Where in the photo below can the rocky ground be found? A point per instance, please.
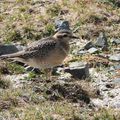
(87, 87)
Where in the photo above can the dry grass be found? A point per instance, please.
(28, 20)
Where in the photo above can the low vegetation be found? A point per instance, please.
(24, 21)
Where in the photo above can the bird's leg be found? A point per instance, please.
(48, 72)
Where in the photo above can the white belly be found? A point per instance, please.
(42, 64)
(49, 62)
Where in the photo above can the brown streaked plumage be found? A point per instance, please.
(45, 53)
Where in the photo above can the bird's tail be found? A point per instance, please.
(10, 56)
(2, 57)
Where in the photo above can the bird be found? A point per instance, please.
(45, 53)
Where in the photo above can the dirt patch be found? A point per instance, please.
(11, 102)
(3, 68)
(71, 92)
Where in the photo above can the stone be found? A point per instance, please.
(92, 50)
(111, 69)
(97, 102)
(81, 52)
(117, 67)
(116, 41)
(61, 24)
(115, 57)
(78, 70)
(102, 41)
(115, 104)
(8, 49)
(116, 80)
(88, 45)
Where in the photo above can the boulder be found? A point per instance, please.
(92, 50)
(115, 57)
(78, 70)
(8, 49)
(61, 24)
(102, 41)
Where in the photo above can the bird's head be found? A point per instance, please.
(65, 35)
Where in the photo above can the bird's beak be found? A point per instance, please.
(74, 37)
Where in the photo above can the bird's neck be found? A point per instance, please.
(64, 44)
(61, 41)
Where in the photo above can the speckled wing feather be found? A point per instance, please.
(39, 49)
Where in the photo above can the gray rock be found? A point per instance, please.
(92, 50)
(117, 67)
(81, 52)
(111, 69)
(98, 102)
(102, 41)
(78, 70)
(8, 49)
(116, 80)
(116, 41)
(88, 45)
(61, 24)
(115, 57)
(115, 104)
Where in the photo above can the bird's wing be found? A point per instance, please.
(39, 48)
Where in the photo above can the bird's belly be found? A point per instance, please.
(47, 62)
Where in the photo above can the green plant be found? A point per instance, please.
(15, 68)
(31, 75)
(105, 115)
(13, 35)
(49, 29)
